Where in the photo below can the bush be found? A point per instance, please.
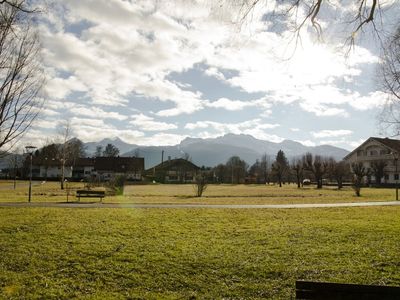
(116, 185)
(200, 185)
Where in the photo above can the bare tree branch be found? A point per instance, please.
(21, 75)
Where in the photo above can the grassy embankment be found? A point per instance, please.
(192, 253)
(215, 194)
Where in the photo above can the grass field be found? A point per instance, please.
(52, 253)
(215, 194)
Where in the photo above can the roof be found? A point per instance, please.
(113, 164)
(175, 163)
(119, 164)
(393, 144)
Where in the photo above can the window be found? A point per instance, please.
(396, 176)
(386, 177)
(373, 153)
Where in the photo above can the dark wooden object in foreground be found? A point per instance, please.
(340, 291)
(90, 194)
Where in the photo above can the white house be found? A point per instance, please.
(378, 150)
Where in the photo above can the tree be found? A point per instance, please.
(64, 131)
(297, 168)
(15, 163)
(338, 170)
(237, 168)
(316, 165)
(220, 172)
(255, 171)
(390, 76)
(111, 151)
(200, 184)
(99, 151)
(298, 14)
(264, 165)
(280, 167)
(21, 74)
(378, 170)
(359, 172)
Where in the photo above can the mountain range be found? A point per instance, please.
(213, 151)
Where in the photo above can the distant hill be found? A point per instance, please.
(210, 152)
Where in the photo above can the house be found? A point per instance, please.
(173, 171)
(108, 167)
(103, 168)
(375, 151)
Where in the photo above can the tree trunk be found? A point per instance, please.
(319, 183)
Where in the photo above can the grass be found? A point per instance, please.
(192, 253)
(184, 193)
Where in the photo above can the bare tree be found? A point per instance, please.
(297, 168)
(317, 165)
(65, 135)
(237, 168)
(264, 164)
(200, 184)
(378, 170)
(338, 170)
(390, 77)
(21, 75)
(298, 14)
(359, 172)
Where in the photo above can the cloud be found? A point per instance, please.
(230, 104)
(107, 58)
(149, 124)
(331, 133)
(214, 72)
(165, 139)
(254, 127)
(307, 143)
(80, 110)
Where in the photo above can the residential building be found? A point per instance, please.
(103, 168)
(173, 171)
(378, 150)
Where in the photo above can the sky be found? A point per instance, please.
(156, 72)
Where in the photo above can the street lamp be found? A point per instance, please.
(29, 150)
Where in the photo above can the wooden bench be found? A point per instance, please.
(90, 194)
(331, 291)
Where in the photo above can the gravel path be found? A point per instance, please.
(235, 206)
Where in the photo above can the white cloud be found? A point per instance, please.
(307, 143)
(165, 139)
(149, 124)
(81, 110)
(254, 127)
(331, 133)
(230, 104)
(128, 50)
(214, 72)
(373, 100)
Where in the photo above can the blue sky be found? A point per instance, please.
(155, 72)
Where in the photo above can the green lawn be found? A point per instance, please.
(192, 253)
(215, 194)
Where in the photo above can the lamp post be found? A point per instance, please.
(29, 150)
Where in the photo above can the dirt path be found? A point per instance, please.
(234, 206)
